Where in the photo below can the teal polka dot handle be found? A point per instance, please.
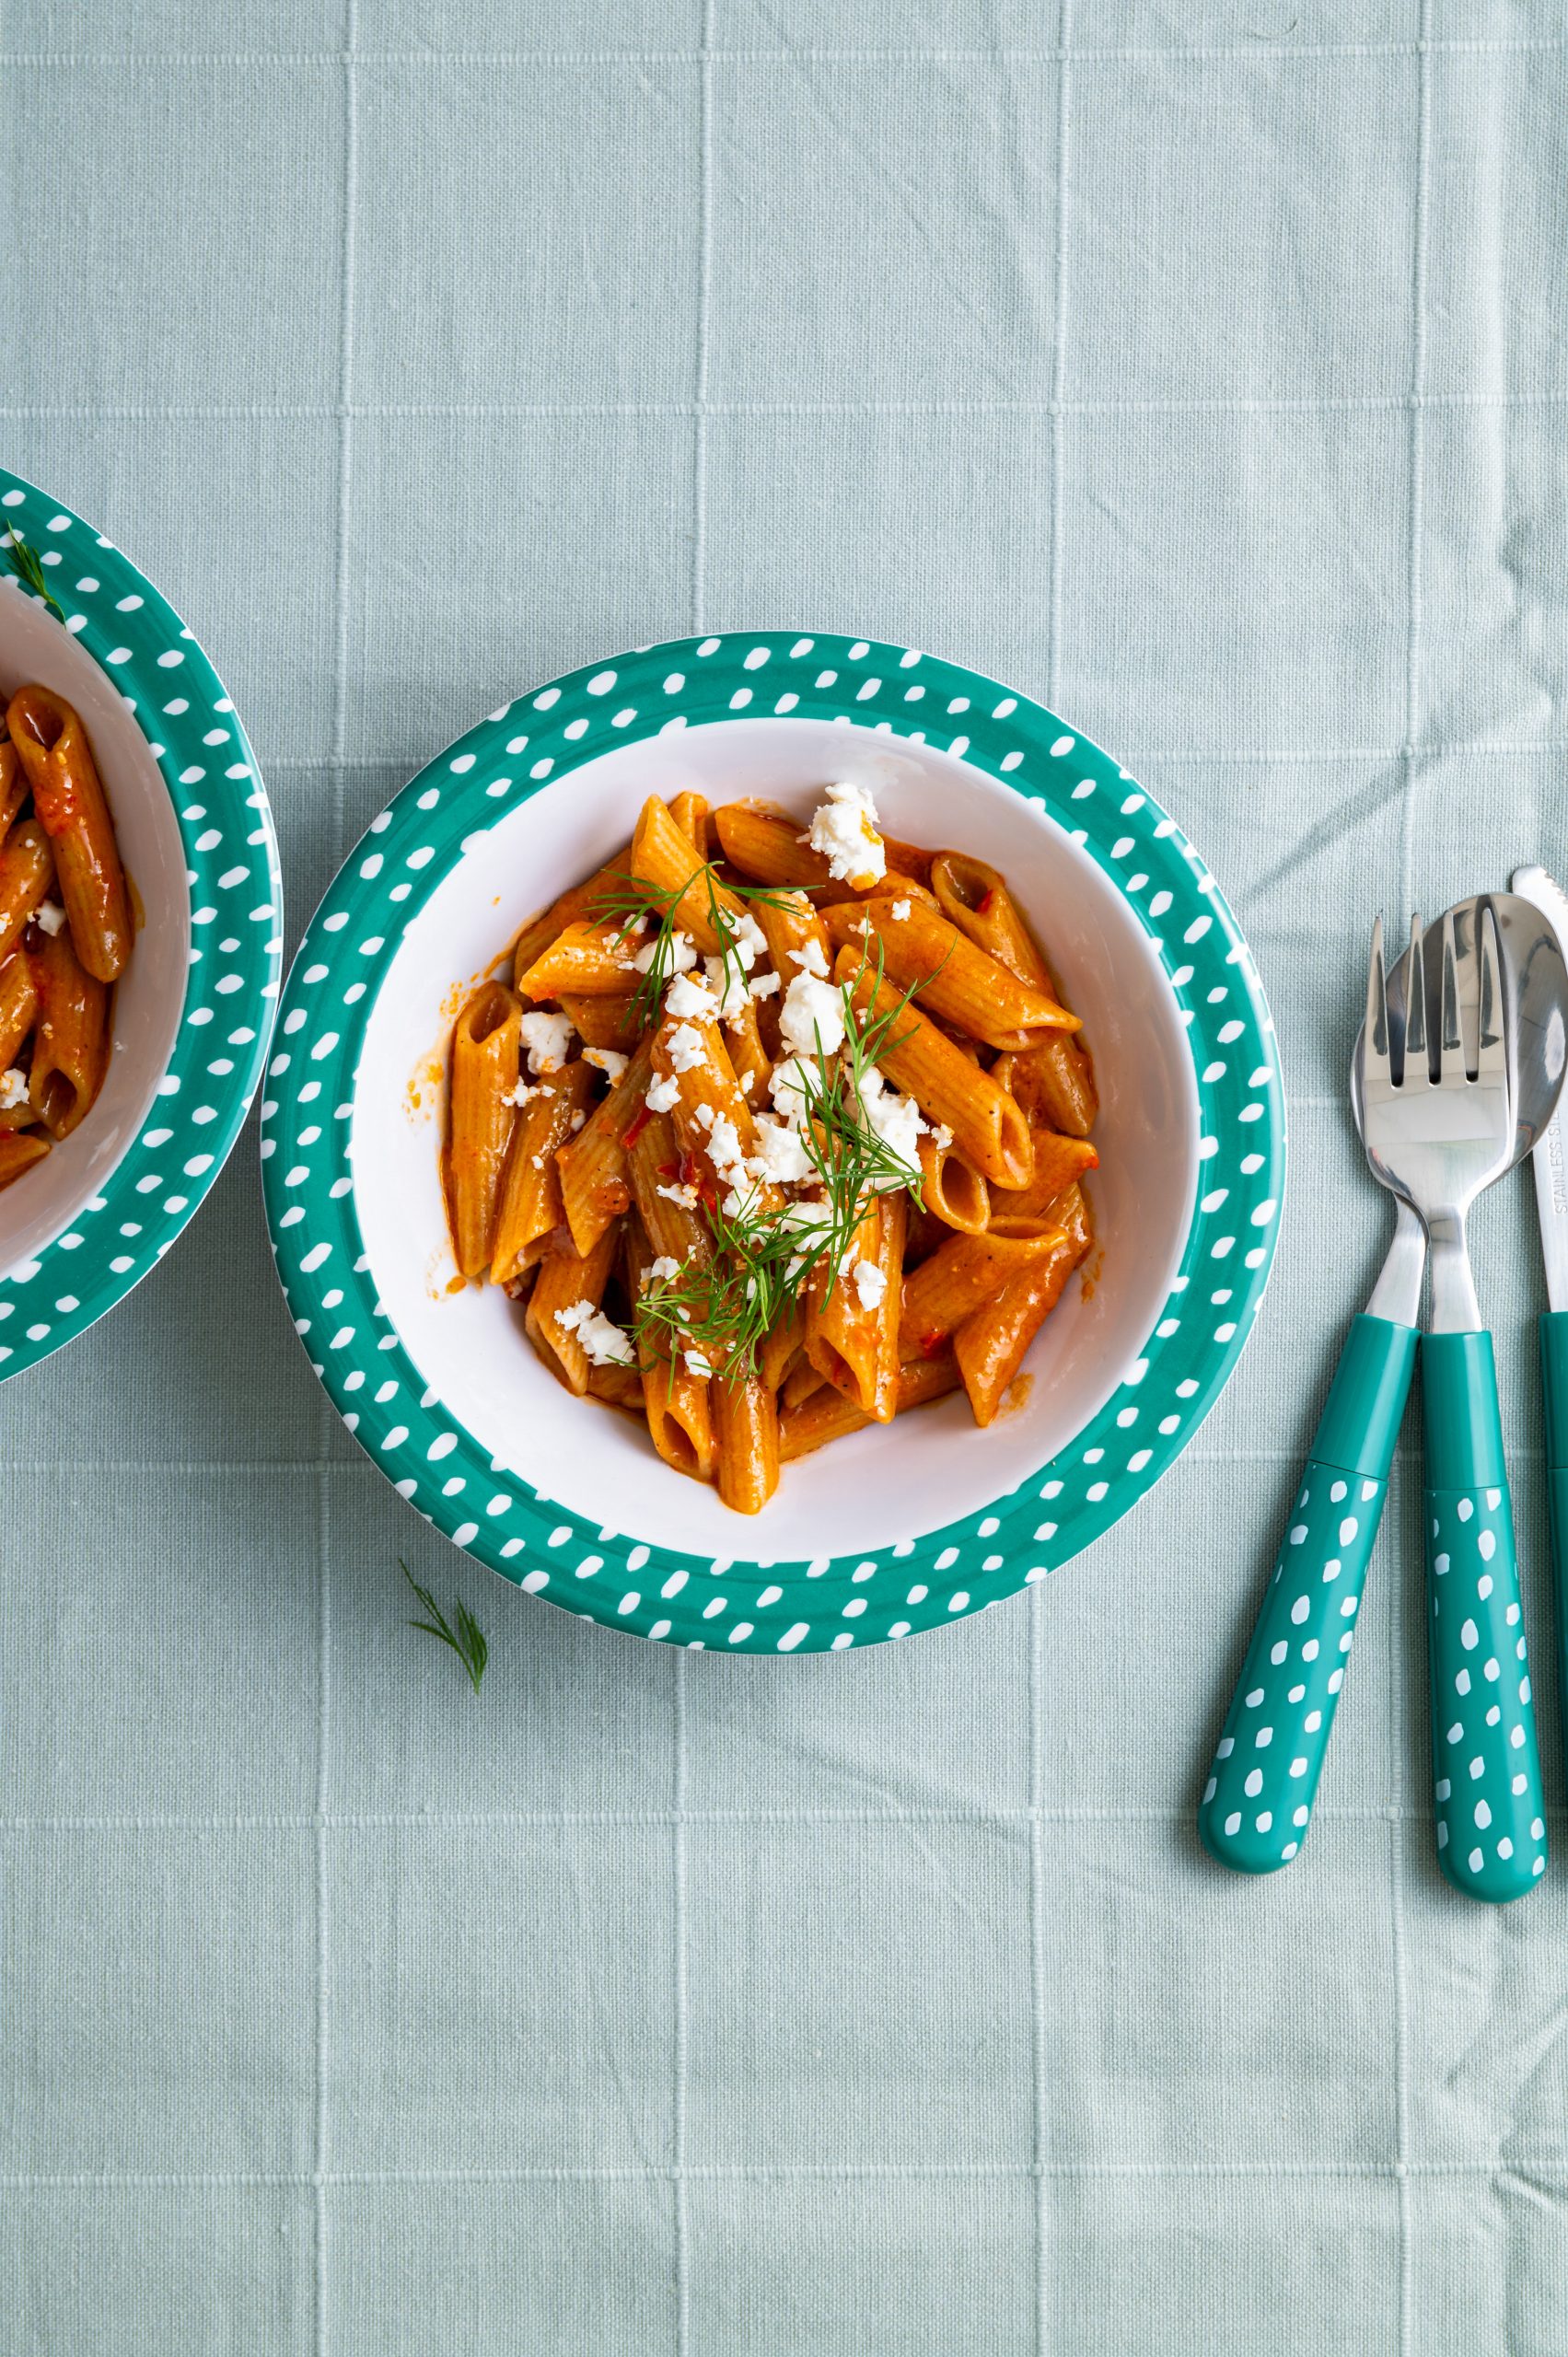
(1486, 1767)
(1258, 1800)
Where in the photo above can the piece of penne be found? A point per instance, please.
(530, 1206)
(955, 1279)
(19, 1149)
(954, 979)
(1053, 1082)
(68, 800)
(19, 1005)
(827, 1415)
(675, 1401)
(770, 847)
(13, 785)
(610, 1021)
(852, 1336)
(595, 1187)
(588, 960)
(689, 812)
(565, 1281)
(987, 1126)
(484, 1077)
(594, 899)
(1059, 1163)
(952, 1188)
(781, 1346)
(71, 1043)
(27, 871)
(618, 1387)
(667, 865)
(667, 1204)
(990, 1344)
(745, 1428)
(709, 1096)
(748, 1058)
(976, 898)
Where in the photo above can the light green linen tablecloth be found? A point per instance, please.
(1200, 370)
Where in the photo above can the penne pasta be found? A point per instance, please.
(770, 846)
(71, 1041)
(484, 1077)
(917, 946)
(27, 871)
(953, 1188)
(784, 1190)
(13, 784)
(828, 1415)
(594, 1184)
(746, 1428)
(68, 801)
(19, 1005)
(588, 960)
(530, 1207)
(990, 1344)
(19, 1149)
(955, 1094)
(585, 901)
(567, 1283)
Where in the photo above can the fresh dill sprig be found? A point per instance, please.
(467, 1639)
(28, 565)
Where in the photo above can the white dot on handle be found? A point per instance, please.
(1254, 1784)
(1298, 1610)
(1538, 1829)
(1483, 1815)
(1227, 1745)
(1483, 1585)
(1517, 1738)
(1233, 1822)
(1469, 1636)
(1466, 1508)
(1486, 1540)
(1255, 1697)
(1301, 1814)
(1298, 1767)
(1337, 1491)
(1265, 1821)
(1475, 1862)
(1519, 1783)
(1347, 1530)
(1475, 1767)
(1505, 1848)
(1277, 1653)
(1313, 1721)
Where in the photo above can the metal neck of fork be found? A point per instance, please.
(1454, 1309)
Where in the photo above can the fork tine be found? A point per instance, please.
(1415, 999)
(1449, 1042)
(1375, 1021)
(1491, 1056)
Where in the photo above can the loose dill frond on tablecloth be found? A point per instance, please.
(467, 1639)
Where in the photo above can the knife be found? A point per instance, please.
(1549, 1160)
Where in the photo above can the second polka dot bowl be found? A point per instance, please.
(899, 1528)
(192, 1011)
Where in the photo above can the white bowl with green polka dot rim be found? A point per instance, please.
(193, 1010)
(899, 1529)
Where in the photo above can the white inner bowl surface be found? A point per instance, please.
(150, 994)
(887, 1483)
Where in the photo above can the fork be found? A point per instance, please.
(1486, 1766)
(1258, 1800)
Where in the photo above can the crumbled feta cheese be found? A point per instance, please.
(844, 828)
(780, 1154)
(793, 1087)
(680, 958)
(811, 1020)
(897, 1120)
(684, 1048)
(688, 997)
(697, 1363)
(602, 1340)
(49, 916)
(942, 1136)
(545, 1038)
(764, 985)
(663, 1096)
(575, 1123)
(685, 1196)
(811, 959)
(608, 1061)
(13, 1089)
(901, 912)
(747, 941)
(728, 984)
(724, 1144)
(667, 1267)
(870, 1283)
(521, 1094)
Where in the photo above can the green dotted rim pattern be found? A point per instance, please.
(231, 858)
(745, 1603)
